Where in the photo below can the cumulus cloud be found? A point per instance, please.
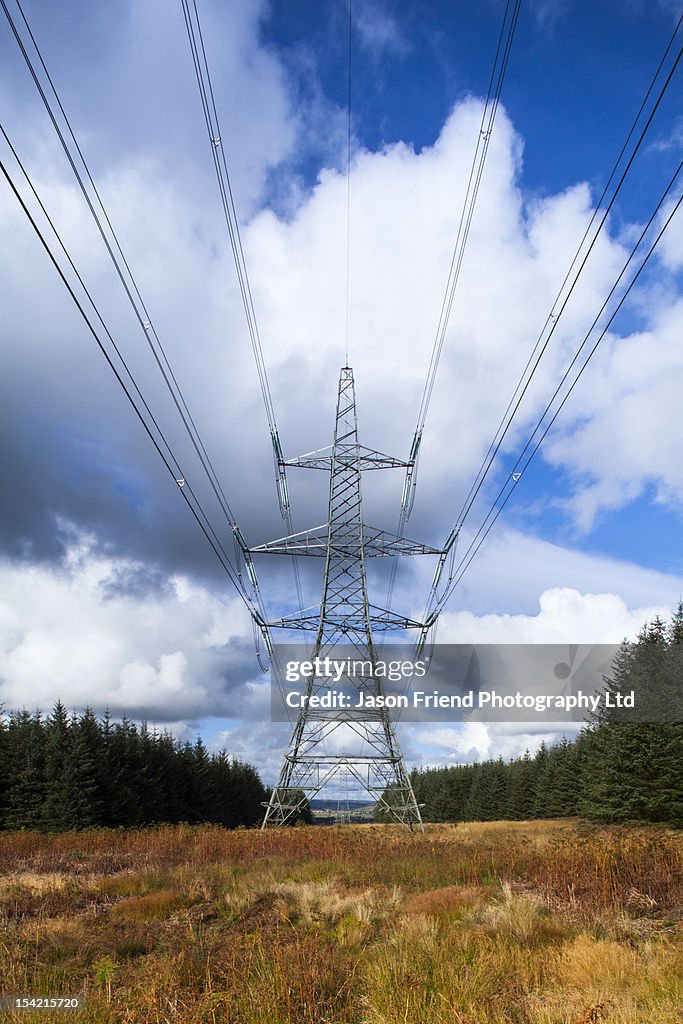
(177, 653)
(565, 616)
(474, 741)
(514, 568)
(622, 436)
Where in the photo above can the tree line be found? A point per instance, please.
(62, 772)
(617, 770)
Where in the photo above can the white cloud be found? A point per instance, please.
(513, 569)
(618, 429)
(671, 245)
(474, 741)
(625, 430)
(565, 616)
(77, 634)
(616, 433)
(547, 13)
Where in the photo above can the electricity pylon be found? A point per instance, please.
(347, 617)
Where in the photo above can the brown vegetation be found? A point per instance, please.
(500, 923)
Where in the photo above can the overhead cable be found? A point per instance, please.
(146, 417)
(502, 57)
(518, 470)
(131, 288)
(210, 111)
(571, 278)
(247, 582)
(491, 103)
(573, 273)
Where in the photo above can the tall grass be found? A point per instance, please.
(499, 923)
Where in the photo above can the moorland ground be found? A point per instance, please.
(552, 922)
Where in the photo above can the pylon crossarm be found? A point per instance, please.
(352, 454)
(374, 543)
(345, 625)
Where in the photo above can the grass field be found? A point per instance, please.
(524, 923)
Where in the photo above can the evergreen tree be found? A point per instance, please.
(127, 776)
(475, 805)
(56, 741)
(521, 788)
(24, 771)
(92, 738)
(633, 769)
(78, 786)
(175, 780)
(455, 788)
(541, 768)
(561, 782)
(440, 796)
(58, 774)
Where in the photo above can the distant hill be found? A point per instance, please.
(333, 805)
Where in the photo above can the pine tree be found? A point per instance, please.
(82, 807)
(560, 782)
(440, 795)
(59, 774)
(521, 788)
(475, 805)
(540, 801)
(457, 785)
(25, 771)
(202, 795)
(127, 775)
(633, 769)
(55, 806)
(174, 780)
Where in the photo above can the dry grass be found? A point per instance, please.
(500, 923)
(37, 884)
(522, 917)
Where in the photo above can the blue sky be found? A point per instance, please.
(578, 73)
(111, 597)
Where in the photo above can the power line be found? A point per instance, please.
(493, 94)
(209, 105)
(210, 111)
(129, 284)
(553, 317)
(348, 187)
(168, 458)
(519, 469)
(476, 171)
(254, 606)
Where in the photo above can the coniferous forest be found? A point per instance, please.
(615, 771)
(64, 772)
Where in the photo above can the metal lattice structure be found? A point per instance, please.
(345, 617)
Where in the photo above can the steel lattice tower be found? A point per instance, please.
(347, 617)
